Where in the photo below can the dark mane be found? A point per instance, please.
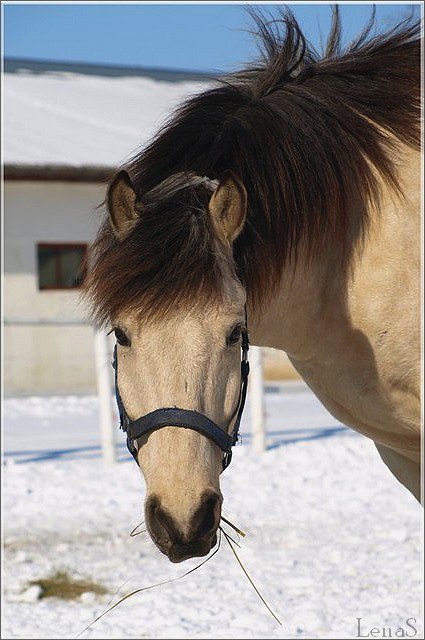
(303, 132)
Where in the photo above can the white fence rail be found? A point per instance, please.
(104, 380)
(256, 395)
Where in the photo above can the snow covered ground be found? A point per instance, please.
(332, 537)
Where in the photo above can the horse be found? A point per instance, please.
(284, 201)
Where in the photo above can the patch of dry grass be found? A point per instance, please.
(62, 585)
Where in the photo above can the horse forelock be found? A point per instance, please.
(171, 259)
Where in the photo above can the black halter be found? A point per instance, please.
(184, 417)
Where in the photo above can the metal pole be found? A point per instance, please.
(104, 386)
(256, 388)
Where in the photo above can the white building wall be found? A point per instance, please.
(46, 359)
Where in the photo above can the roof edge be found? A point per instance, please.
(58, 173)
(34, 66)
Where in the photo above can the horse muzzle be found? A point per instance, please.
(193, 538)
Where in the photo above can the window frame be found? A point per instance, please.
(57, 246)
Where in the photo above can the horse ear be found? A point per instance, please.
(122, 205)
(228, 207)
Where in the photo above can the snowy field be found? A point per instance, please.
(332, 537)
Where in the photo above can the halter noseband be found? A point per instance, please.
(175, 417)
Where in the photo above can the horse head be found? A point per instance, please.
(180, 345)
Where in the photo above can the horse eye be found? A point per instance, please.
(122, 338)
(234, 337)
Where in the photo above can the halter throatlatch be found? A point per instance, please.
(174, 417)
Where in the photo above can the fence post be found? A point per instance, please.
(104, 386)
(256, 389)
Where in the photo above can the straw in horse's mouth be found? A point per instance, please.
(221, 532)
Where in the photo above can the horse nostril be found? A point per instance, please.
(207, 517)
(160, 524)
(165, 522)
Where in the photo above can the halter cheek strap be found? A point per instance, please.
(186, 418)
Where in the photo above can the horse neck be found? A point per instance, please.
(297, 315)
(317, 298)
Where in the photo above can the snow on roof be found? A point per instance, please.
(75, 119)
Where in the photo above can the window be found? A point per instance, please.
(61, 266)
